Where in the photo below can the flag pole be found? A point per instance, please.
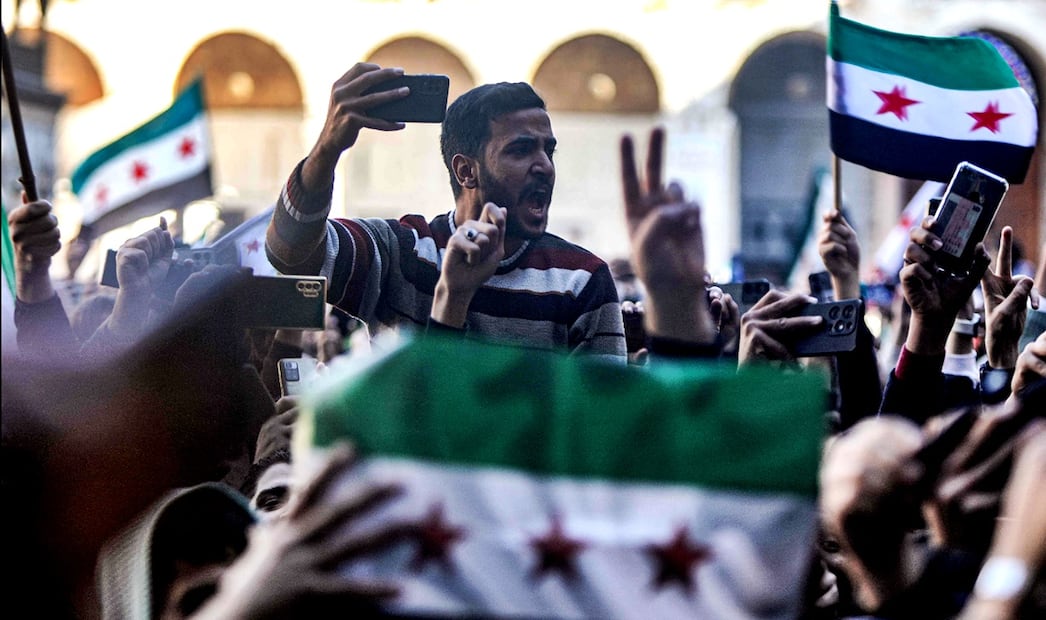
(837, 184)
(27, 179)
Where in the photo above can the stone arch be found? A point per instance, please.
(68, 69)
(597, 73)
(242, 71)
(778, 96)
(420, 55)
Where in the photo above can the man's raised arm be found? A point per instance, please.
(295, 239)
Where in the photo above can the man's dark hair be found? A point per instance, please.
(250, 482)
(466, 127)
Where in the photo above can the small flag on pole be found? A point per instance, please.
(164, 164)
(245, 244)
(916, 106)
(544, 486)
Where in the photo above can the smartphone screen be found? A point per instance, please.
(966, 213)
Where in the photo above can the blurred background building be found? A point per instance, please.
(740, 85)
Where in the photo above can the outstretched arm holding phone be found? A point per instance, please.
(295, 240)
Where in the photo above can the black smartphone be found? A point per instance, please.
(296, 374)
(426, 103)
(283, 302)
(747, 293)
(821, 286)
(966, 213)
(838, 333)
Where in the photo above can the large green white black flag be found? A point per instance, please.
(552, 487)
(163, 164)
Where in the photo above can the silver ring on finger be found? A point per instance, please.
(471, 234)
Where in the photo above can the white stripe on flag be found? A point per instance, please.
(939, 112)
(759, 545)
(114, 184)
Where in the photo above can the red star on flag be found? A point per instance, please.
(895, 102)
(252, 247)
(187, 148)
(101, 195)
(676, 560)
(556, 551)
(139, 171)
(988, 118)
(434, 537)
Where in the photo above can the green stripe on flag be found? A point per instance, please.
(8, 256)
(185, 108)
(464, 403)
(959, 63)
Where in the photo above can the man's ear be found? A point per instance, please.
(465, 170)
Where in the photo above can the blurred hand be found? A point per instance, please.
(292, 567)
(1019, 535)
(771, 324)
(35, 237)
(668, 251)
(726, 316)
(1031, 365)
(838, 247)
(276, 432)
(1005, 305)
(962, 510)
(142, 262)
(141, 267)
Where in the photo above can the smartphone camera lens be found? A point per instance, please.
(833, 312)
(848, 312)
(838, 327)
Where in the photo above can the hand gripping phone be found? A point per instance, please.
(838, 333)
(745, 294)
(426, 103)
(296, 373)
(966, 213)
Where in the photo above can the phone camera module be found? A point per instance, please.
(833, 312)
(848, 312)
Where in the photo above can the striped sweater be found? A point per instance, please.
(551, 294)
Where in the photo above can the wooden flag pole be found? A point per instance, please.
(27, 179)
(837, 184)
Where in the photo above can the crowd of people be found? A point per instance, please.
(147, 439)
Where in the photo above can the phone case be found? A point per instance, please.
(296, 374)
(747, 293)
(838, 333)
(965, 214)
(426, 103)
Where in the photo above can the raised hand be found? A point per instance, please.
(472, 257)
(771, 324)
(837, 244)
(1005, 305)
(141, 267)
(35, 237)
(668, 249)
(292, 567)
(934, 295)
(346, 116)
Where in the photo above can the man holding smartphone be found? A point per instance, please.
(488, 265)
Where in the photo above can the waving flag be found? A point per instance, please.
(245, 245)
(546, 486)
(164, 164)
(916, 106)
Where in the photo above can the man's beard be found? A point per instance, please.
(495, 191)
